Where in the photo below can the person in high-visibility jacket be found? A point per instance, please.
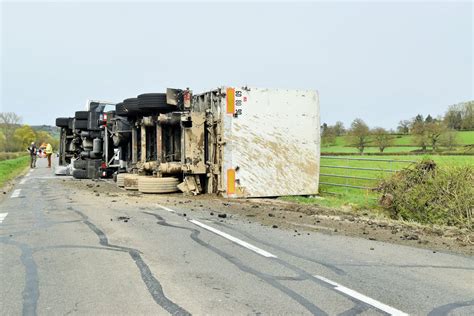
(49, 153)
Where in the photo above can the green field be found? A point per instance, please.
(9, 169)
(404, 143)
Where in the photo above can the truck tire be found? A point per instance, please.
(130, 106)
(79, 174)
(155, 102)
(120, 109)
(80, 164)
(130, 182)
(121, 180)
(82, 115)
(80, 124)
(148, 184)
(70, 124)
(62, 122)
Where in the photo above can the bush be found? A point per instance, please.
(428, 194)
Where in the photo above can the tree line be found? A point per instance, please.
(16, 137)
(426, 131)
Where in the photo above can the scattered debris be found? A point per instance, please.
(124, 219)
(223, 215)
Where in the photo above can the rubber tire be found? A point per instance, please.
(131, 181)
(80, 124)
(80, 164)
(154, 102)
(82, 115)
(62, 122)
(120, 109)
(148, 184)
(79, 174)
(121, 180)
(71, 123)
(130, 106)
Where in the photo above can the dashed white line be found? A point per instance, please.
(225, 235)
(361, 297)
(166, 208)
(23, 181)
(2, 216)
(16, 193)
(234, 239)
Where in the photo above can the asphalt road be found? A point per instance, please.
(64, 252)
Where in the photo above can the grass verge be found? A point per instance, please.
(9, 169)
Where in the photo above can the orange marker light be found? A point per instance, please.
(230, 181)
(230, 97)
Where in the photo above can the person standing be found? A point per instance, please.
(49, 153)
(33, 152)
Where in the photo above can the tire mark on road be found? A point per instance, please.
(153, 285)
(446, 309)
(241, 266)
(356, 310)
(30, 293)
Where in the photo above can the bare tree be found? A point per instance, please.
(434, 133)
(419, 132)
(359, 135)
(449, 139)
(328, 136)
(404, 127)
(382, 138)
(9, 122)
(339, 128)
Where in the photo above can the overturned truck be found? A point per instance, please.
(237, 142)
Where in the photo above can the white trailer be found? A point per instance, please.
(269, 141)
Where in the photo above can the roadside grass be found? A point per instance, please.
(364, 199)
(11, 168)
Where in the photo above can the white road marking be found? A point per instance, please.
(23, 181)
(166, 208)
(234, 239)
(361, 297)
(2, 216)
(16, 193)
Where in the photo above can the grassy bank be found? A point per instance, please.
(11, 168)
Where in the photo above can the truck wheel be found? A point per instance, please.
(62, 122)
(82, 115)
(79, 174)
(130, 105)
(130, 182)
(120, 109)
(121, 180)
(80, 164)
(70, 124)
(155, 102)
(157, 185)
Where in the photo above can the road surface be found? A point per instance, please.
(68, 252)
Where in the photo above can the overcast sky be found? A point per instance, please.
(380, 61)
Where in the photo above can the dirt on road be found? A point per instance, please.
(299, 218)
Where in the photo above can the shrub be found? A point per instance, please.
(429, 194)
